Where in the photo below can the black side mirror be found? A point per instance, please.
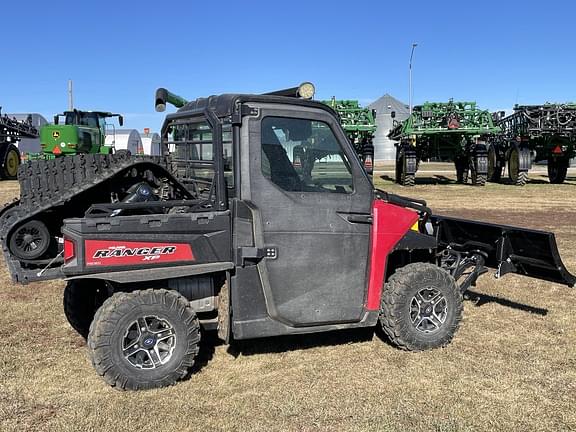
(393, 114)
(121, 120)
(55, 119)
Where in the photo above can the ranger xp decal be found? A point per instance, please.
(116, 253)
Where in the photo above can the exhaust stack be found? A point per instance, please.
(163, 97)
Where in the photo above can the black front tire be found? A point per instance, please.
(410, 319)
(402, 176)
(494, 166)
(144, 339)
(477, 179)
(461, 166)
(82, 298)
(557, 171)
(517, 177)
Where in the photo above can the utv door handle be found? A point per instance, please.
(359, 218)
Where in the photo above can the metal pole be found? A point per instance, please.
(70, 96)
(414, 45)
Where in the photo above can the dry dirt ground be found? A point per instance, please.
(512, 366)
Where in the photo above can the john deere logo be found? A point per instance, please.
(56, 134)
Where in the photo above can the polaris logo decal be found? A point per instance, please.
(110, 252)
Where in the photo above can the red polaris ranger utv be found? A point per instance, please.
(227, 232)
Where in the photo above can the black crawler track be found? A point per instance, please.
(46, 185)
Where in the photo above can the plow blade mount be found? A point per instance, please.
(508, 249)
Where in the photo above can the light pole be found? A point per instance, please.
(414, 45)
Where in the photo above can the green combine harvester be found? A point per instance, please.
(453, 131)
(533, 133)
(83, 132)
(360, 126)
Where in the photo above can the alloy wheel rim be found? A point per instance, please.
(12, 164)
(149, 342)
(29, 239)
(428, 310)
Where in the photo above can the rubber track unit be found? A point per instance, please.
(394, 318)
(46, 184)
(50, 183)
(53, 182)
(101, 340)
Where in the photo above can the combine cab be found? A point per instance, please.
(454, 131)
(533, 133)
(360, 126)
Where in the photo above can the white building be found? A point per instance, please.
(125, 139)
(151, 143)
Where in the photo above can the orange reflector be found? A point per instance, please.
(57, 150)
(415, 226)
(557, 150)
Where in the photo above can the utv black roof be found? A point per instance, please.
(225, 105)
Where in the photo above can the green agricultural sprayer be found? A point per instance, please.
(453, 131)
(360, 125)
(533, 133)
(11, 132)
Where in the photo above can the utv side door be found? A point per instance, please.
(311, 203)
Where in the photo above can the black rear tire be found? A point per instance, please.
(82, 298)
(421, 307)
(144, 339)
(557, 171)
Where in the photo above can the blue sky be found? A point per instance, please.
(118, 53)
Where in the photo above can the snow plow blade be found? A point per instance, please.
(508, 249)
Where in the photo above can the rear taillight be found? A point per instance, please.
(69, 250)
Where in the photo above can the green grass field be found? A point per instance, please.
(512, 365)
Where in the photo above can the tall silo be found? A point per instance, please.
(384, 149)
